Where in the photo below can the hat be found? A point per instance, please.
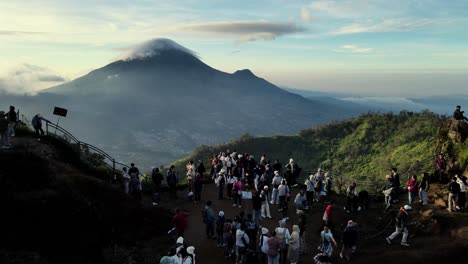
(264, 231)
(164, 260)
(407, 207)
(191, 250)
(180, 240)
(276, 172)
(299, 212)
(221, 213)
(350, 222)
(291, 160)
(265, 187)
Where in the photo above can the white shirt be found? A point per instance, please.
(462, 185)
(239, 235)
(264, 245)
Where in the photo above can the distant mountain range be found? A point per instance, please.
(160, 101)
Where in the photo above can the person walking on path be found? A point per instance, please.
(327, 217)
(454, 190)
(387, 192)
(351, 198)
(209, 219)
(413, 187)
(327, 241)
(180, 222)
(172, 182)
(198, 188)
(220, 181)
(275, 183)
(424, 188)
(257, 208)
(282, 233)
(402, 220)
(36, 122)
(264, 195)
(294, 245)
(302, 223)
(350, 236)
(237, 191)
(274, 247)
(462, 195)
(310, 182)
(12, 120)
(220, 229)
(126, 180)
(283, 191)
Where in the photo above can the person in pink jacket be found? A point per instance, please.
(413, 188)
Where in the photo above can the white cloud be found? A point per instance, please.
(354, 49)
(153, 47)
(306, 16)
(28, 79)
(395, 25)
(245, 30)
(342, 8)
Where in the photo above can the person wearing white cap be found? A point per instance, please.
(401, 226)
(264, 194)
(264, 244)
(179, 244)
(190, 257)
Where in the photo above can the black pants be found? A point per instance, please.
(197, 194)
(461, 200)
(310, 198)
(351, 203)
(221, 191)
(282, 200)
(210, 230)
(229, 190)
(39, 128)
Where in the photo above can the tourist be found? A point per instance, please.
(350, 236)
(201, 169)
(220, 181)
(126, 180)
(351, 198)
(190, 175)
(412, 185)
(318, 186)
(37, 125)
(242, 244)
(327, 216)
(133, 170)
(198, 185)
(172, 182)
(230, 184)
(264, 195)
(4, 142)
(294, 245)
(396, 185)
(283, 192)
(310, 182)
(180, 245)
(424, 188)
(209, 219)
(179, 221)
(300, 200)
(264, 245)
(135, 186)
(440, 165)
(174, 257)
(228, 238)
(283, 235)
(302, 223)
(462, 195)
(257, 208)
(189, 258)
(274, 248)
(454, 190)
(220, 229)
(387, 192)
(402, 220)
(327, 242)
(363, 198)
(328, 185)
(12, 118)
(291, 172)
(237, 192)
(275, 183)
(252, 231)
(458, 114)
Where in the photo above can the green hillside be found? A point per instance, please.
(364, 148)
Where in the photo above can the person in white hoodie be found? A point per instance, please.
(264, 195)
(189, 258)
(264, 245)
(275, 183)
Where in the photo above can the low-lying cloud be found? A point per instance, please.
(353, 49)
(246, 30)
(28, 79)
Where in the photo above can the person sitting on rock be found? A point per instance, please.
(458, 114)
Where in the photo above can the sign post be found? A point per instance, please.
(58, 111)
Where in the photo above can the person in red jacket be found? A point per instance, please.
(413, 187)
(180, 222)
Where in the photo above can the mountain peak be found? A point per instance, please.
(244, 73)
(153, 48)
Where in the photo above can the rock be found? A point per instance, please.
(439, 202)
(461, 233)
(427, 214)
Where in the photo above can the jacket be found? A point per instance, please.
(454, 188)
(412, 186)
(402, 218)
(274, 247)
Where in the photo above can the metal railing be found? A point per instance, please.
(84, 149)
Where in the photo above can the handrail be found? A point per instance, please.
(69, 137)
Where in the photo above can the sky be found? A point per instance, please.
(361, 47)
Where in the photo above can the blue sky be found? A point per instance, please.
(364, 47)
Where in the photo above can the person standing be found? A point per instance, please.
(454, 190)
(351, 198)
(209, 219)
(424, 188)
(302, 223)
(387, 192)
(283, 191)
(310, 182)
(242, 244)
(412, 185)
(264, 246)
(156, 177)
(274, 247)
(402, 220)
(172, 182)
(300, 200)
(133, 170)
(396, 185)
(440, 165)
(220, 229)
(237, 191)
(37, 125)
(12, 120)
(458, 114)
(327, 216)
(220, 181)
(198, 188)
(190, 175)
(264, 195)
(350, 236)
(135, 186)
(257, 208)
(126, 180)
(275, 183)
(294, 245)
(462, 195)
(4, 142)
(230, 184)
(282, 233)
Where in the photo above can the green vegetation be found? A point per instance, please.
(363, 148)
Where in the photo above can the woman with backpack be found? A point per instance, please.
(264, 245)
(282, 233)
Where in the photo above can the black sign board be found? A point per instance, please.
(60, 111)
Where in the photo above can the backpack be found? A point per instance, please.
(282, 238)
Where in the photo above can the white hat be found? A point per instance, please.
(265, 187)
(180, 240)
(291, 160)
(276, 172)
(221, 213)
(191, 250)
(264, 231)
(407, 207)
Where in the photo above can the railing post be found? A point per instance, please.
(79, 150)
